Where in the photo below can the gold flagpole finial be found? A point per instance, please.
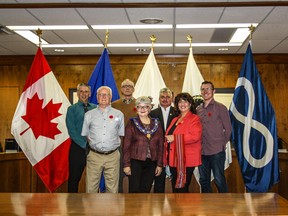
(39, 34)
(251, 29)
(153, 40)
(189, 38)
(106, 38)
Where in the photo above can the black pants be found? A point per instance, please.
(159, 182)
(142, 175)
(189, 173)
(121, 172)
(77, 163)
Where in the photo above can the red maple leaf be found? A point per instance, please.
(39, 119)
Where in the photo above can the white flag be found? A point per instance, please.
(150, 80)
(193, 78)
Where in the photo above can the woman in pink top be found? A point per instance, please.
(183, 143)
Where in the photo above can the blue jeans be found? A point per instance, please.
(215, 163)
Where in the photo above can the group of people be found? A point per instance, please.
(129, 137)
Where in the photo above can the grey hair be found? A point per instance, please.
(105, 87)
(128, 82)
(83, 84)
(143, 99)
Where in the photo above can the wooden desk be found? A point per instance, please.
(17, 175)
(142, 204)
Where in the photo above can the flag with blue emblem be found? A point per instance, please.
(102, 75)
(254, 133)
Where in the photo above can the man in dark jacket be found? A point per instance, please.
(165, 113)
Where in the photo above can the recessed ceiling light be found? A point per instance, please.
(223, 49)
(151, 21)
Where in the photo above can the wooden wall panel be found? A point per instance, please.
(9, 98)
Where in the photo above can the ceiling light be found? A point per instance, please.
(108, 45)
(218, 25)
(49, 27)
(122, 27)
(151, 21)
(71, 45)
(207, 44)
(140, 45)
(31, 37)
(240, 35)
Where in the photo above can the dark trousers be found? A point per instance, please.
(215, 163)
(121, 172)
(189, 173)
(142, 176)
(159, 182)
(77, 163)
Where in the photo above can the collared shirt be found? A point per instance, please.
(216, 127)
(74, 122)
(104, 129)
(165, 113)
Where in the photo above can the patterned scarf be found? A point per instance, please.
(180, 160)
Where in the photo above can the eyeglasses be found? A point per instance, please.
(142, 107)
(103, 95)
(206, 89)
(165, 97)
(127, 86)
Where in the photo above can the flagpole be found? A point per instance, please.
(106, 38)
(189, 38)
(39, 34)
(153, 40)
(251, 29)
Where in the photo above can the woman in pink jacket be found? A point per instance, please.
(183, 143)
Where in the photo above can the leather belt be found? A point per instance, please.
(104, 153)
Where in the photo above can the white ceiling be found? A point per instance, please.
(270, 36)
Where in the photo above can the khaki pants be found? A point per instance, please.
(110, 164)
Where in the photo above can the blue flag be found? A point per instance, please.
(103, 76)
(254, 133)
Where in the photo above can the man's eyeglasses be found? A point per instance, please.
(142, 107)
(165, 97)
(127, 86)
(103, 95)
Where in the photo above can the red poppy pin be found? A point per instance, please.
(209, 114)
(111, 116)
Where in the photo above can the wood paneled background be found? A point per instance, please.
(222, 70)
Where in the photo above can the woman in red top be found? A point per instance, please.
(183, 143)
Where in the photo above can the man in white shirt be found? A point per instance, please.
(103, 128)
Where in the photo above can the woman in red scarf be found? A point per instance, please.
(183, 143)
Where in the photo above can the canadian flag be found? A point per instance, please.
(39, 124)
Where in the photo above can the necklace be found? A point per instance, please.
(146, 130)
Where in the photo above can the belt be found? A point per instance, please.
(104, 153)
